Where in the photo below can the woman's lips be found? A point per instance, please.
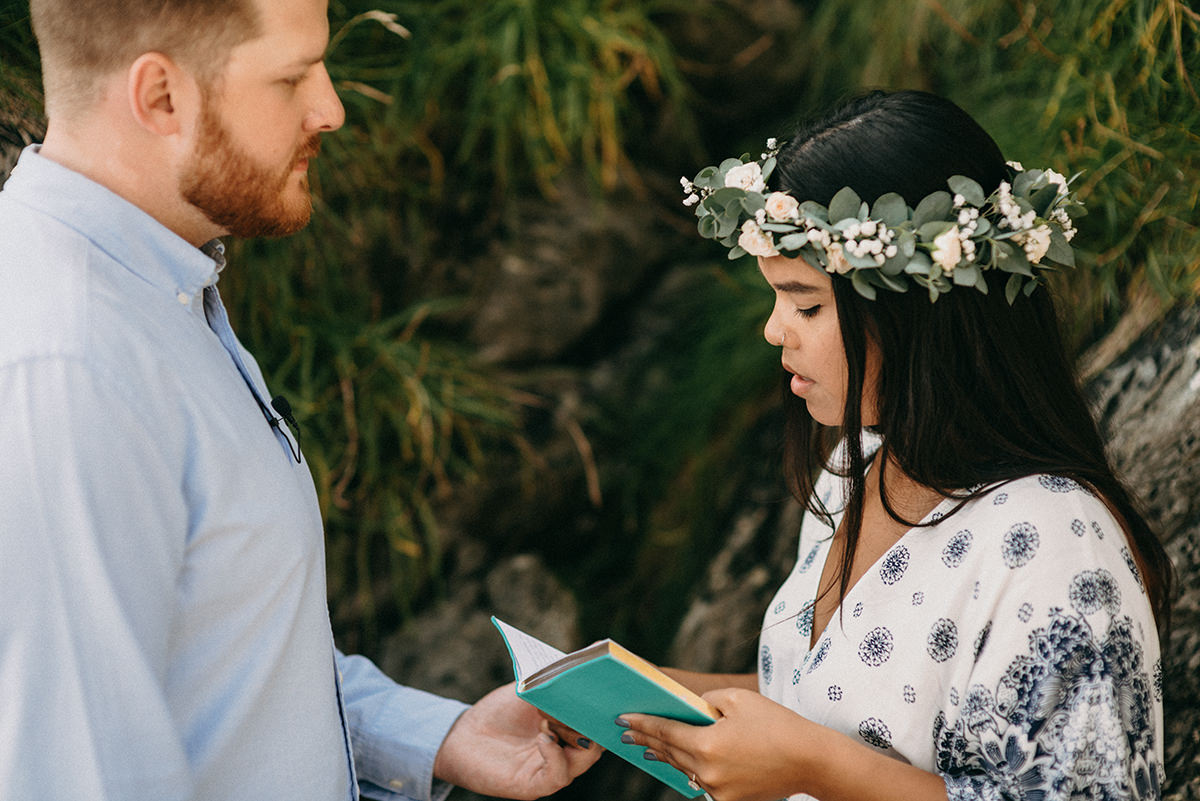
(800, 384)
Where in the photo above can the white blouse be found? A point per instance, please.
(1009, 648)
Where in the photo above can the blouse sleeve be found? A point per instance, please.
(1063, 697)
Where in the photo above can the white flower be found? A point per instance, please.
(1057, 178)
(837, 259)
(756, 241)
(781, 206)
(947, 250)
(869, 228)
(746, 176)
(772, 143)
(691, 200)
(1036, 243)
(1016, 165)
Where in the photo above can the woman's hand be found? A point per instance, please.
(757, 751)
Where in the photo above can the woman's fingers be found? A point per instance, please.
(565, 735)
(664, 740)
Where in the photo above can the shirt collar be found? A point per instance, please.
(129, 235)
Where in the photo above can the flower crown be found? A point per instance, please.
(948, 240)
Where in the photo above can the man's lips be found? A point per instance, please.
(307, 153)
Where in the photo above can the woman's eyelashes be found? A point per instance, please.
(810, 311)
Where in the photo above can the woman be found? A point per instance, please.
(975, 606)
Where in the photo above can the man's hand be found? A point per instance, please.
(503, 747)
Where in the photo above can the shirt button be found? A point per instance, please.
(396, 784)
(184, 298)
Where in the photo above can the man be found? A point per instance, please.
(163, 627)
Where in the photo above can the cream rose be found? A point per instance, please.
(947, 250)
(1036, 243)
(756, 241)
(781, 206)
(837, 259)
(1057, 178)
(747, 176)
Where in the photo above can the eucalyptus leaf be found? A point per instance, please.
(1060, 251)
(919, 265)
(967, 275)
(736, 252)
(936, 206)
(705, 177)
(906, 243)
(726, 223)
(890, 209)
(862, 285)
(752, 202)
(971, 191)
(814, 211)
(893, 283)
(1043, 199)
(778, 228)
(895, 265)
(768, 167)
(724, 197)
(933, 229)
(1022, 185)
(1012, 288)
(861, 262)
(707, 226)
(845, 204)
(793, 241)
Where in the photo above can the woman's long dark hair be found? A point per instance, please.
(972, 391)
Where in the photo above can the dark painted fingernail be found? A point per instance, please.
(627, 738)
(584, 742)
(650, 755)
(622, 722)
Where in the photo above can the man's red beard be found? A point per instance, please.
(237, 193)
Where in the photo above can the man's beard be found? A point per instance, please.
(238, 194)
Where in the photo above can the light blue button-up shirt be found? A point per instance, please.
(163, 623)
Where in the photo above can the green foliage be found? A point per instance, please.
(506, 91)
(452, 110)
(20, 95)
(1104, 87)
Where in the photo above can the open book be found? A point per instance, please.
(589, 688)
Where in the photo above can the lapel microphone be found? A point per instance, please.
(280, 404)
(284, 410)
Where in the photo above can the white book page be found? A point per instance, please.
(529, 653)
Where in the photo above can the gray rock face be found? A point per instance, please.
(1148, 402)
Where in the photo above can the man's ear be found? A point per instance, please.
(162, 95)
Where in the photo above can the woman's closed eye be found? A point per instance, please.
(810, 311)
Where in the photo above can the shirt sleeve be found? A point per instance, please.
(395, 732)
(1062, 699)
(93, 526)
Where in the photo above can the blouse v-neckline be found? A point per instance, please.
(815, 637)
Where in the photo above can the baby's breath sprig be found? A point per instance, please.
(948, 240)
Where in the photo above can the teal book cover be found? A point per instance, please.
(589, 688)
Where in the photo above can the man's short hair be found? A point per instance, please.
(82, 41)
